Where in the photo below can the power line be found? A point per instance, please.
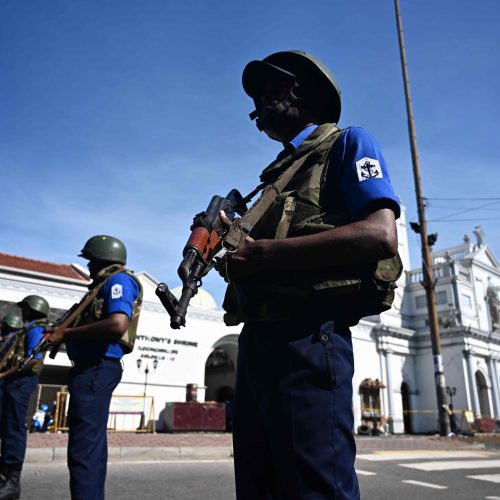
(465, 211)
(480, 219)
(458, 207)
(462, 199)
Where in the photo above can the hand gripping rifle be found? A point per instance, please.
(204, 249)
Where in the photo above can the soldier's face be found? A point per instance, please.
(274, 92)
(94, 267)
(280, 126)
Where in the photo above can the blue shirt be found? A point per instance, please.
(357, 174)
(32, 338)
(118, 295)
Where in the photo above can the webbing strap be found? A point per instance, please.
(87, 299)
(241, 228)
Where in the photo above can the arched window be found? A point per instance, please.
(482, 389)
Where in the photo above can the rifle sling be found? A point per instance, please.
(85, 302)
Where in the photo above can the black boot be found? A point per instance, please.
(10, 489)
(3, 473)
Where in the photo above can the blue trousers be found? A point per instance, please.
(16, 393)
(293, 421)
(91, 385)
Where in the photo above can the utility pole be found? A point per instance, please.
(428, 275)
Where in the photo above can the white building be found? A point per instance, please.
(394, 377)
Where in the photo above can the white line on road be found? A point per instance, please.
(365, 473)
(426, 485)
(421, 454)
(453, 465)
(492, 478)
(492, 498)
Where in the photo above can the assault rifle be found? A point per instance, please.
(204, 249)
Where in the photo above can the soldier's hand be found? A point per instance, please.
(56, 335)
(245, 261)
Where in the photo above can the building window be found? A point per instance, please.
(464, 274)
(421, 301)
(441, 298)
(467, 301)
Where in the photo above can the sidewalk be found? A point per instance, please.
(129, 446)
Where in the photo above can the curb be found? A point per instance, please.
(129, 453)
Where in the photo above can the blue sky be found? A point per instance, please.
(125, 117)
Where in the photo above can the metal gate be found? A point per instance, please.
(44, 394)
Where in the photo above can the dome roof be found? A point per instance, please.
(202, 299)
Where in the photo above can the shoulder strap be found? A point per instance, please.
(242, 227)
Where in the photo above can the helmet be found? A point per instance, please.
(319, 89)
(107, 248)
(36, 303)
(14, 321)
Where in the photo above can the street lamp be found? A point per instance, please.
(451, 391)
(145, 370)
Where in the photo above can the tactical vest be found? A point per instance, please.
(344, 293)
(16, 352)
(94, 311)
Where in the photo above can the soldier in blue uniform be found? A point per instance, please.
(17, 389)
(309, 271)
(9, 324)
(103, 333)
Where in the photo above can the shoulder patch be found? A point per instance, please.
(116, 291)
(368, 168)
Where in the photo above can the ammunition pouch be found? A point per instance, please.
(346, 294)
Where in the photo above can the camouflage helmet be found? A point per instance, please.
(106, 248)
(13, 321)
(36, 303)
(320, 89)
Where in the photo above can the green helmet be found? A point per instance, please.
(13, 321)
(319, 89)
(36, 303)
(106, 248)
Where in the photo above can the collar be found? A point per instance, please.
(310, 137)
(297, 141)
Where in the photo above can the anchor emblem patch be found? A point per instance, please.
(368, 168)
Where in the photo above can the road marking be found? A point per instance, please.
(492, 498)
(453, 465)
(365, 473)
(426, 485)
(380, 456)
(492, 478)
